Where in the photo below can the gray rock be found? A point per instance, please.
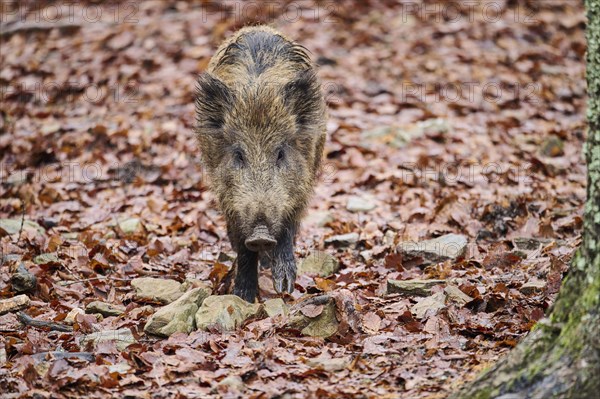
(315, 317)
(275, 307)
(532, 286)
(178, 316)
(533, 243)
(131, 226)
(552, 146)
(233, 382)
(455, 294)
(3, 356)
(119, 368)
(330, 364)
(72, 315)
(447, 247)
(398, 137)
(431, 304)
(343, 240)
(225, 312)
(12, 226)
(22, 280)
(159, 290)
(318, 218)
(105, 309)
(17, 178)
(13, 304)
(360, 204)
(389, 237)
(412, 287)
(319, 263)
(44, 259)
(122, 338)
(191, 283)
(367, 255)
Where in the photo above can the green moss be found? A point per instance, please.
(552, 348)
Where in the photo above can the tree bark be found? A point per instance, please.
(560, 358)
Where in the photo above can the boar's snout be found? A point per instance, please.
(260, 240)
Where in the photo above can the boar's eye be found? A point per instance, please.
(280, 156)
(238, 158)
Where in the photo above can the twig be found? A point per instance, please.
(65, 355)
(29, 321)
(22, 220)
(66, 284)
(27, 27)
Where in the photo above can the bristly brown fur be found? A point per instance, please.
(261, 130)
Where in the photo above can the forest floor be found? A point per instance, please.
(443, 118)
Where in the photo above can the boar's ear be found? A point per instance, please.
(304, 98)
(213, 99)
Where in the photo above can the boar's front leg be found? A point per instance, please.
(246, 276)
(284, 263)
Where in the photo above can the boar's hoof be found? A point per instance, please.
(284, 276)
(260, 240)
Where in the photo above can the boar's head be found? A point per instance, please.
(261, 145)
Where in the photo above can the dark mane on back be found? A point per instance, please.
(259, 50)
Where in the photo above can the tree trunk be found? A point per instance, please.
(561, 355)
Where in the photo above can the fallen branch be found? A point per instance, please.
(68, 283)
(64, 355)
(28, 27)
(22, 220)
(52, 326)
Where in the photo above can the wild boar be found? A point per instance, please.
(261, 120)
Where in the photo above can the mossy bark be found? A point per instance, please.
(560, 358)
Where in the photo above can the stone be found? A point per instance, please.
(159, 290)
(130, 226)
(178, 316)
(122, 338)
(414, 287)
(398, 137)
(431, 304)
(389, 237)
(532, 243)
(22, 280)
(552, 146)
(319, 263)
(447, 247)
(343, 240)
(72, 315)
(329, 364)
(276, 306)
(360, 204)
(17, 178)
(232, 381)
(44, 259)
(191, 283)
(225, 312)
(456, 295)
(105, 309)
(14, 304)
(315, 317)
(367, 255)
(13, 226)
(532, 286)
(120, 368)
(318, 218)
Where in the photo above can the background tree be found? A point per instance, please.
(561, 355)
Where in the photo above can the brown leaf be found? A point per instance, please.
(312, 310)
